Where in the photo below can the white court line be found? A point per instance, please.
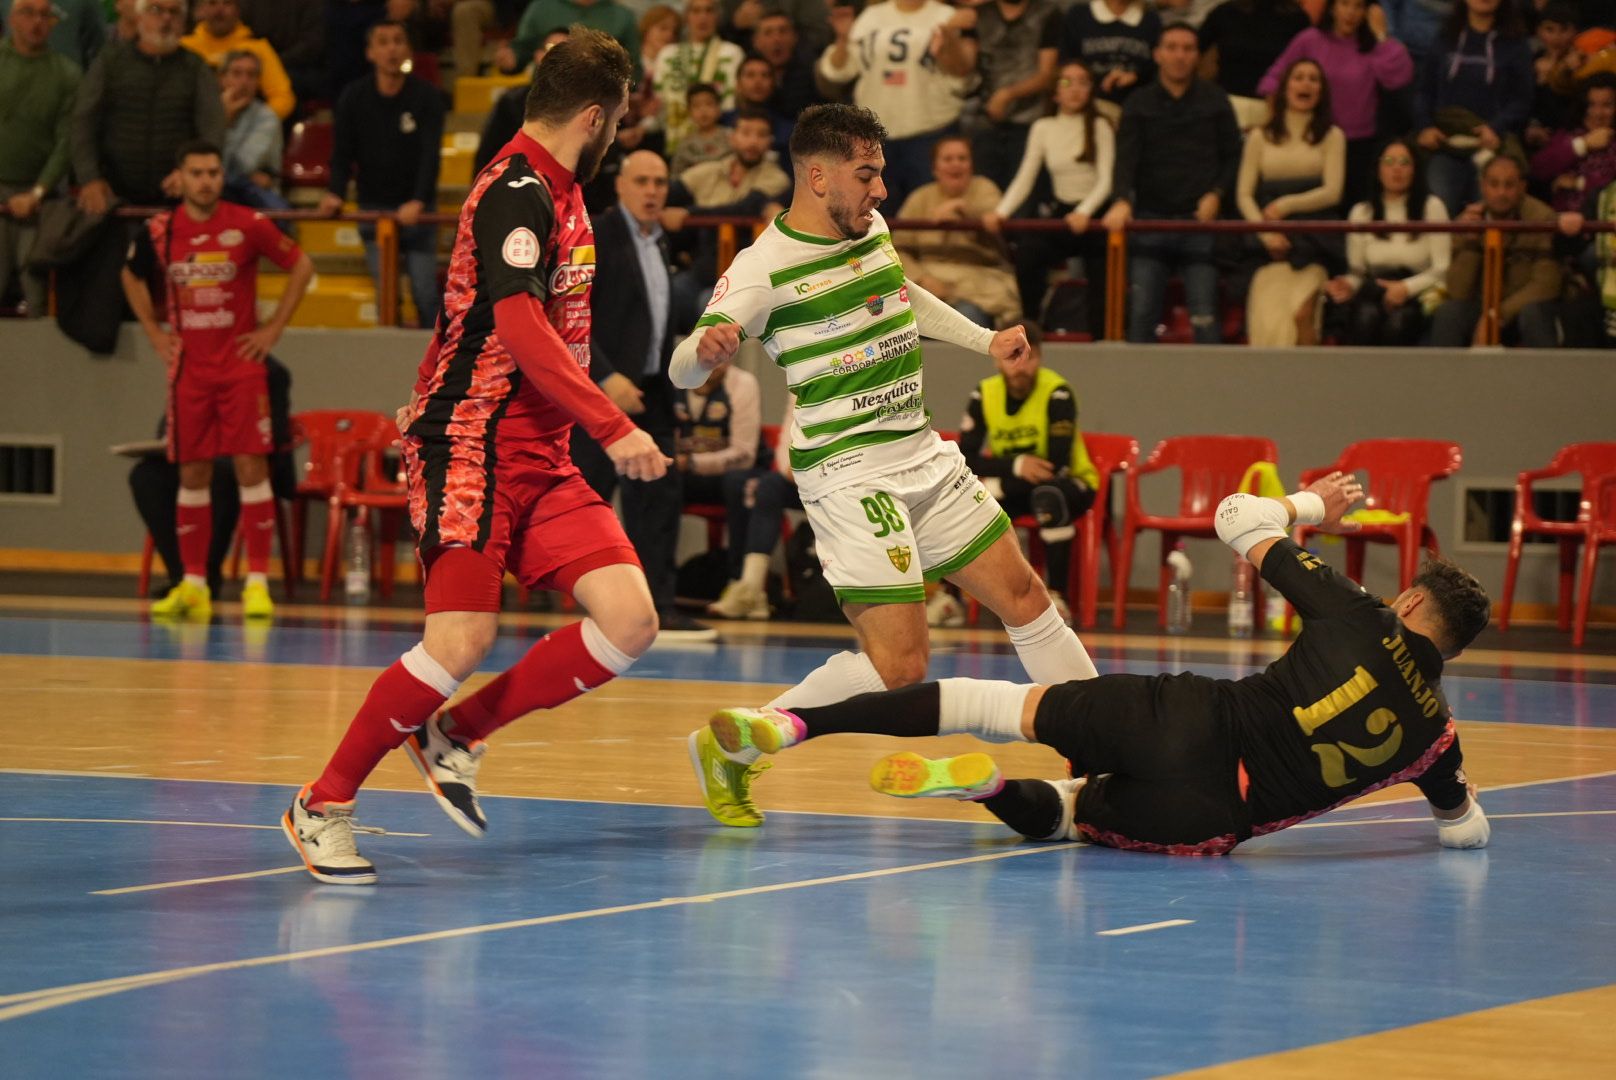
(198, 761)
(197, 881)
(1407, 820)
(29, 1002)
(1507, 787)
(1142, 927)
(142, 821)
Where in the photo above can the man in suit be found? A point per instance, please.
(630, 342)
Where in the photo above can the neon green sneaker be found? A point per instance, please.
(726, 785)
(910, 776)
(184, 601)
(768, 730)
(255, 602)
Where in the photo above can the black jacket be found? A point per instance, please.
(620, 332)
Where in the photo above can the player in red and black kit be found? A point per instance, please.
(1188, 765)
(205, 255)
(492, 485)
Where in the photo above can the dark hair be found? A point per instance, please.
(1520, 166)
(1034, 332)
(695, 90)
(1599, 80)
(1462, 605)
(1184, 26)
(1506, 20)
(196, 148)
(589, 68)
(1417, 191)
(1559, 11)
(752, 112)
(753, 58)
(403, 28)
(834, 130)
(1365, 36)
(1089, 113)
(944, 140)
(1323, 118)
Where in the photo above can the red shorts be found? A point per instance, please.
(217, 409)
(542, 523)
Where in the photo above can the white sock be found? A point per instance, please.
(1050, 651)
(419, 662)
(256, 493)
(990, 709)
(257, 578)
(1067, 830)
(198, 580)
(606, 654)
(845, 675)
(755, 570)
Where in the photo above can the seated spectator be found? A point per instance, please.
(138, 104)
(389, 128)
(1178, 150)
(1018, 50)
(707, 139)
(793, 59)
(1242, 39)
(701, 57)
(221, 32)
(541, 17)
(1292, 169)
(1020, 435)
(755, 504)
(1392, 277)
(1076, 149)
(1473, 97)
(38, 86)
(1116, 39)
(966, 270)
(253, 144)
(1578, 163)
(1360, 65)
(1556, 61)
(1528, 312)
(295, 29)
(469, 22)
(739, 20)
(916, 90)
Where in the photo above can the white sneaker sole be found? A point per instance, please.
(364, 877)
(467, 825)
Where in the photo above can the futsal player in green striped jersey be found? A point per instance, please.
(892, 505)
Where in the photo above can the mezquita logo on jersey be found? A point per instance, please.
(574, 276)
(201, 269)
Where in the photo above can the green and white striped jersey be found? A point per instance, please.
(835, 315)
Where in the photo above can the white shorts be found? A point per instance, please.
(881, 540)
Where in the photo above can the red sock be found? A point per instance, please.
(397, 704)
(555, 670)
(258, 528)
(195, 527)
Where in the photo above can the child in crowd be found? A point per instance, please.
(708, 139)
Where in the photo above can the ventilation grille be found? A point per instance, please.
(29, 469)
(1488, 512)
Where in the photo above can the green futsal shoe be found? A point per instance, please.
(765, 729)
(910, 776)
(725, 785)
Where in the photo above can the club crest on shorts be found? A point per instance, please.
(900, 557)
(874, 305)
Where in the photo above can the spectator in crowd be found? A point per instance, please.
(389, 129)
(221, 32)
(1392, 277)
(125, 23)
(1604, 277)
(1580, 162)
(659, 28)
(1242, 39)
(1292, 169)
(1360, 63)
(37, 86)
(505, 118)
(793, 60)
(908, 61)
(1528, 311)
(1116, 39)
(1474, 95)
(541, 17)
(1178, 151)
(1418, 24)
(755, 504)
(79, 32)
(630, 344)
(137, 106)
(1556, 63)
(755, 91)
(1020, 435)
(347, 38)
(707, 140)
(1018, 44)
(295, 29)
(739, 20)
(701, 57)
(469, 22)
(253, 144)
(966, 270)
(1076, 149)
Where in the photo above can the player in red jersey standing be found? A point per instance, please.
(205, 253)
(492, 483)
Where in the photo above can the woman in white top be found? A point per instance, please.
(1391, 277)
(1076, 147)
(1292, 168)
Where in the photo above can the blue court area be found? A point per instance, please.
(615, 940)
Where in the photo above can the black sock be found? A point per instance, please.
(909, 713)
(1031, 807)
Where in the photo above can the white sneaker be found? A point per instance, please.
(450, 771)
(325, 840)
(1068, 792)
(944, 610)
(740, 600)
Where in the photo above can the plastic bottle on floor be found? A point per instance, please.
(1178, 592)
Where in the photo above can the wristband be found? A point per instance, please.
(1309, 507)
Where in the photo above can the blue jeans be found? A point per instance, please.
(418, 253)
(1150, 255)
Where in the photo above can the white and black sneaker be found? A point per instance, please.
(325, 840)
(1049, 507)
(450, 771)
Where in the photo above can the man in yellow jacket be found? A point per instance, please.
(221, 32)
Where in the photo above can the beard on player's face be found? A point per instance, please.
(594, 153)
(846, 215)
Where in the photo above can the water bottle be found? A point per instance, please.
(1178, 592)
(356, 578)
(1241, 602)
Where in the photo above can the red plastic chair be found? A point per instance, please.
(1596, 463)
(366, 480)
(1110, 454)
(1397, 478)
(716, 514)
(307, 160)
(326, 435)
(1210, 467)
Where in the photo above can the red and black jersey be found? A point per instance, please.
(523, 230)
